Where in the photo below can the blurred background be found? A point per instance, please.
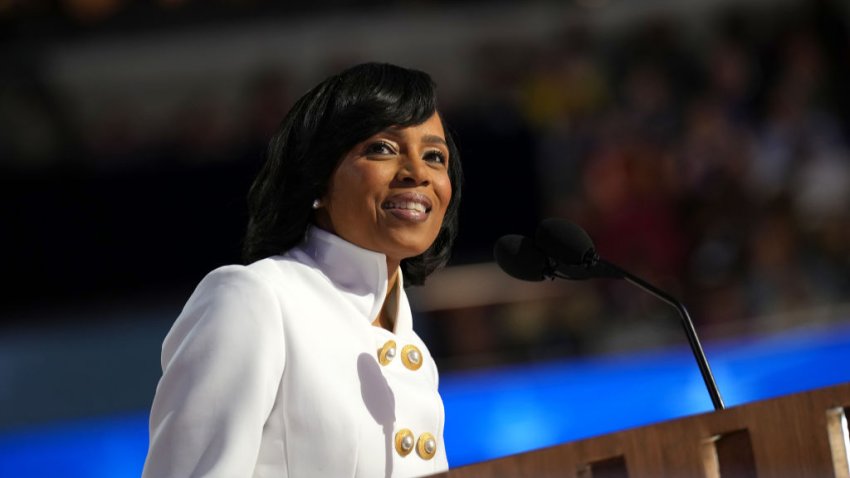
(703, 144)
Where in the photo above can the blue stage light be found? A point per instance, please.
(496, 412)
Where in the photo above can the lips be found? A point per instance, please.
(413, 207)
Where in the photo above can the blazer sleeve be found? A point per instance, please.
(222, 364)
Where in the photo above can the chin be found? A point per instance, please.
(406, 247)
(408, 252)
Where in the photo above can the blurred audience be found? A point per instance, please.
(715, 166)
(720, 172)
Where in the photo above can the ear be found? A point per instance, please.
(321, 217)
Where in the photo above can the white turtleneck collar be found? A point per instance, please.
(358, 273)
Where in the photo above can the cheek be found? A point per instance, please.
(354, 184)
(443, 189)
(358, 187)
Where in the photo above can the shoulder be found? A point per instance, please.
(233, 283)
(230, 301)
(273, 269)
(260, 278)
(270, 283)
(236, 275)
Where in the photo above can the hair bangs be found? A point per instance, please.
(377, 96)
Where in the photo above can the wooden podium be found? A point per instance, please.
(801, 435)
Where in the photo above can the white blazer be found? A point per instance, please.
(275, 370)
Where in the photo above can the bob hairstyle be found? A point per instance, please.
(324, 125)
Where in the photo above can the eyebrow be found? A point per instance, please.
(433, 139)
(427, 139)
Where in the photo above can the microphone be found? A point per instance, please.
(520, 258)
(565, 241)
(569, 254)
(563, 250)
(572, 250)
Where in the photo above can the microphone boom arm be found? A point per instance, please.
(606, 269)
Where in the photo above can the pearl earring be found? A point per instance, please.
(317, 203)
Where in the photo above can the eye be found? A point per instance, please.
(435, 156)
(380, 147)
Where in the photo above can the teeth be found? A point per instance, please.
(415, 206)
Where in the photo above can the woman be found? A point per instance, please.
(304, 362)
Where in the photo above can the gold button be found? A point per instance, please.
(386, 354)
(426, 446)
(411, 357)
(404, 442)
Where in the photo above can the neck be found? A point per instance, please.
(386, 318)
(392, 273)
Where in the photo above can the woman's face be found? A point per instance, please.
(389, 194)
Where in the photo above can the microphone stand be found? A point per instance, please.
(610, 270)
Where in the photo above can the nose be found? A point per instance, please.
(413, 171)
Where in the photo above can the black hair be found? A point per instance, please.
(318, 131)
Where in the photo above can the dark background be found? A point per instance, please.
(703, 144)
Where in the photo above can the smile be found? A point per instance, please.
(412, 207)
